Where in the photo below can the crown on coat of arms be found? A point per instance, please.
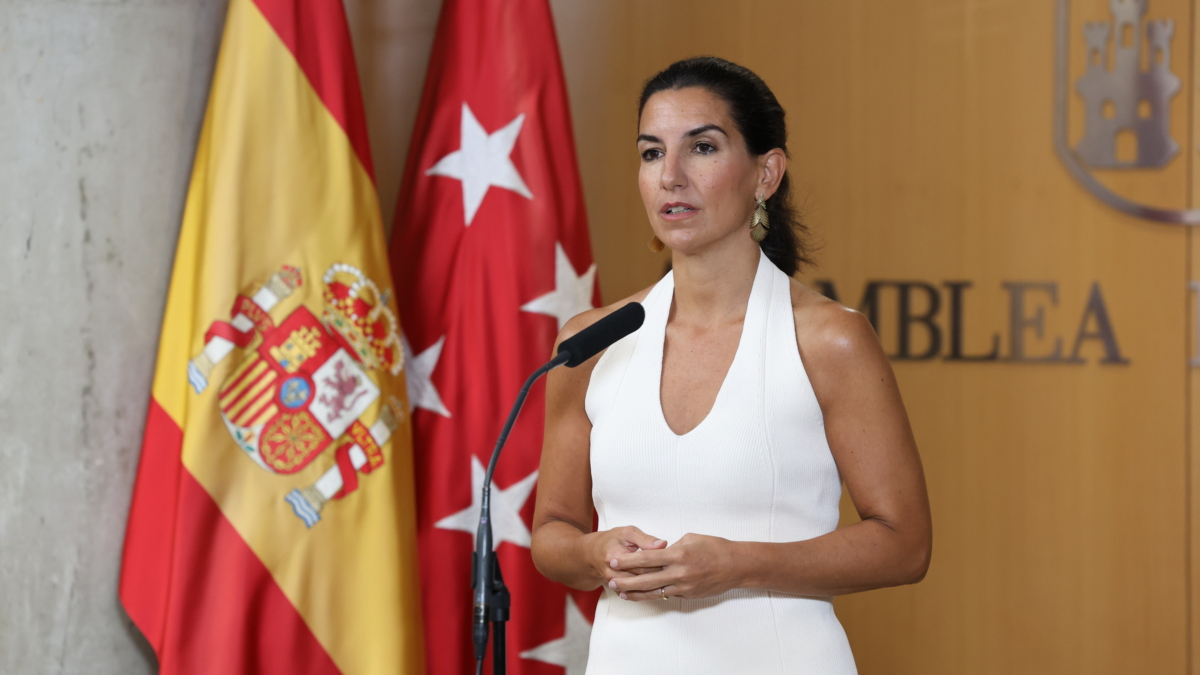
(286, 280)
(357, 311)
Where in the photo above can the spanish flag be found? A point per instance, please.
(272, 527)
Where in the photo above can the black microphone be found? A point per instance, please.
(601, 335)
(490, 595)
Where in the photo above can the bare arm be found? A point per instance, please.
(564, 547)
(871, 441)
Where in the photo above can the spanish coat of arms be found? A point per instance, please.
(303, 385)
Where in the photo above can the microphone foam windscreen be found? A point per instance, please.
(599, 336)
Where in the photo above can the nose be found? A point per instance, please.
(674, 173)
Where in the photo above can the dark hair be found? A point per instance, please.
(760, 120)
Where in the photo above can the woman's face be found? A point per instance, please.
(698, 180)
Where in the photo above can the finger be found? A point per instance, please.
(642, 582)
(640, 570)
(642, 540)
(623, 562)
(618, 558)
(655, 595)
(611, 574)
(617, 549)
(656, 558)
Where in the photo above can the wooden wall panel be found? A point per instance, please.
(922, 148)
(1192, 459)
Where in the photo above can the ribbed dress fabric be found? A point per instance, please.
(757, 468)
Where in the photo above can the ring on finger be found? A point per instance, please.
(663, 592)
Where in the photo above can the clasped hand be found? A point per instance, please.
(636, 565)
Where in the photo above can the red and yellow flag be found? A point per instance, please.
(272, 527)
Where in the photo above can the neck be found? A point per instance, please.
(714, 285)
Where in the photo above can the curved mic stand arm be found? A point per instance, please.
(491, 595)
(560, 359)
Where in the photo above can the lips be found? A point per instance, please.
(677, 209)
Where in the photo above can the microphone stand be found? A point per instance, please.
(492, 600)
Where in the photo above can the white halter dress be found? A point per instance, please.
(757, 468)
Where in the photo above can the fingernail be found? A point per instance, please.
(659, 541)
(613, 584)
(614, 562)
(624, 597)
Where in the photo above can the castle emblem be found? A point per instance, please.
(1121, 95)
(1127, 88)
(304, 385)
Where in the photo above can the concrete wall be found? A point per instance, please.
(100, 104)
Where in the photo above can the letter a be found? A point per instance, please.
(1104, 330)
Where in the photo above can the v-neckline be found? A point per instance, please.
(737, 354)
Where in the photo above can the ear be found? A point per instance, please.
(771, 167)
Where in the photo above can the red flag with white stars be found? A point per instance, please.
(491, 246)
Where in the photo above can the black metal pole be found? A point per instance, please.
(498, 649)
(501, 601)
(492, 600)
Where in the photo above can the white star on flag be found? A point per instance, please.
(421, 392)
(572, 292)
(507, 524)
(569, 651)
(482, 161)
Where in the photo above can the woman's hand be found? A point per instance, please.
(696, 566)
(605, 548)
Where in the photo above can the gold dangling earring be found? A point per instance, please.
(655, 244)
(758, 222)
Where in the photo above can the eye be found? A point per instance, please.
(651, 154)
(705, 148)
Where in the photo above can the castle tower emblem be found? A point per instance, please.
(1127, 89)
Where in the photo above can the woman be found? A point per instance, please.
(712, 442)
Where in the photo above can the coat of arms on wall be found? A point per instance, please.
(1127, 90)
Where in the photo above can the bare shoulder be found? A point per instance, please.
(841, 353)
(828, 331)
(569, 385)
(585, 319)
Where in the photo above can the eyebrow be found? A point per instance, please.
(707, 127)
(694, 132)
